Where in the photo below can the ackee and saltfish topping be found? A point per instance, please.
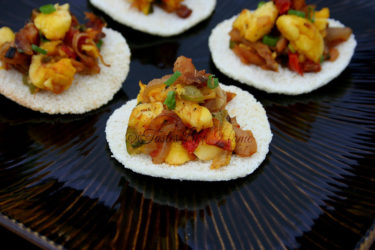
(286, 32)
(52, 47)
(146, 6)
(182, 117)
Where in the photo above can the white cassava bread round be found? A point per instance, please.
(87, 92)
(283, 82)
(159, 22)
(250, 115)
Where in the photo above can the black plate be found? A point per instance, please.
(59, 185)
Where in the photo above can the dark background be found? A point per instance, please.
(314, 190)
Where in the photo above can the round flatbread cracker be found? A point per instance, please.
(283, 82)
(159, 22)
(250, 115)
(87, 92)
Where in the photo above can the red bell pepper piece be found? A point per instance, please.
(283, 5)
(294, 63)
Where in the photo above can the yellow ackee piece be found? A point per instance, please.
(303, 35)
(54, 25)
(177, 154)
(321, 20)
(91, 50)
(6, 35)
(143, 114)
(51, 47)
(191, 113)
(53, 76)
(207, 152)
(229, 134)
(254, 25)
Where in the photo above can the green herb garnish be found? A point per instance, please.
(311, 14)
(47, 9)
(270, 40)
(170, 101)
(321, 59)
(296, 13)
(231, 44)
(212, 82)
(291, 49)
(261, 3)
(38, 49)
(99, 43)
(173, 78)
(33, 89)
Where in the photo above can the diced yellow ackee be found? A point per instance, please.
(51, 47)
(53, 76)
(254, 25)
(143, 114)
(303, 36)
(321, 20)
(192, 113)
(143, 5)
(229, 134)
(54, 25)
(177, 154)
(6, 35)
(207, 152)
(91, 50)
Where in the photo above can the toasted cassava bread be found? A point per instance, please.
(250, 115)
(159, 22)
(87, 92)
(284, 81)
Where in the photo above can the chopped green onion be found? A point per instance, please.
(47, 9)
(170, 101)
(321, 59)
(212, 82)
(290, 47)
(82, 27)
(270, 40)
(296, 13)
(311, 14)
(33, 89)
(38, 49)
(261, 3)
(99, 43)
(173, 78)
(231, 44)
(192, 93)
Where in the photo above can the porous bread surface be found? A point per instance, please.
(87, 92)
(283, 82)
(250, 115)
(159, 22)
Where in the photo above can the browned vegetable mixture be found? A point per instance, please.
(182, 117)
(146, 6)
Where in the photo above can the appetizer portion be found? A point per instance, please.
(288, 33)
(170, 6)
(189, 120)
(52, 47)
(155, 17)
(55, 64)
(284, 46)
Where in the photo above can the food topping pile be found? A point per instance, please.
(182, 117)
(286, 32)
(146, 6)
(52, 47)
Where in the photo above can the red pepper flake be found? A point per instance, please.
(283, 5)
(294, 63)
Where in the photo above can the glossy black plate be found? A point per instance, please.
(59, 186)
